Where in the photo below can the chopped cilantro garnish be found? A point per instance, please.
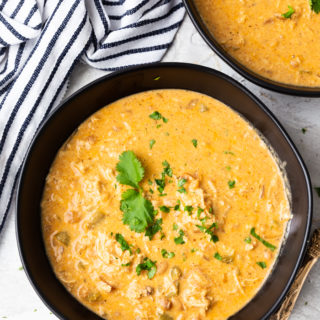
(211, 210)
(126, 264)
(161, 184)
(138, 212)
(228, 152)
(149, 182)
(303, 130)
(123, 243)
(138, 251)
(199, 211)
(181, 182)
(151, 143)
(228, 168)
(182, 190)
(247, 240)
(189, 209)
(167, 254)
(179, 240)
(20, 268)
(193, 250)
(166, 171)
(177, 206)
(315, 5)
(289, 13)
(217, 256)
(166, 168)
(264, 242)
(317, 189)
(164, 209)
(231, 184)
(213, 237)
(203, 220)
(148, 265)
(162, 235)
(175, 226)
(152, 229)
(156, 115)
(194, 142)
(262, 264)
(151, 191)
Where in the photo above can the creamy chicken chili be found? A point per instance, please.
(164, 205)
(277, 39)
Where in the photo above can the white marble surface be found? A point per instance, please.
(18, 301)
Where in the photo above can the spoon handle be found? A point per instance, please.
(287, 305)
(311, 258)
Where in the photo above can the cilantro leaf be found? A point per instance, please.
(231, 184)
(262, 264)
(182, 182)
(217, 256)
(166, 254)
(194, 142)
(153, 229)
(151, 143)
(164, 209)
(289, 13)
(199, 211)
(148, 265)
(177, 206)
(138, 212)
(123, 243)
(130, 169)
(156, 115)
(214, 238)
(189, 209)
(126, 264)
(247, 240)
(166, 169)
(315, 5)
(179, 240)
(182, 190)
(264, 242)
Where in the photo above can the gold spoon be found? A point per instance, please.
(312, 255)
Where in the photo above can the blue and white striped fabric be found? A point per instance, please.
(42, 40)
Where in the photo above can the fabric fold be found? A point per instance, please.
(40, 43)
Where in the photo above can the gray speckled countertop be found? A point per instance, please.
(17, 298)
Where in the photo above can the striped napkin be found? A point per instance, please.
(40, 43)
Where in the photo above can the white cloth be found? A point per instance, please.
(41, 41)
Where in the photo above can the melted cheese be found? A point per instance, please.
(81, 214)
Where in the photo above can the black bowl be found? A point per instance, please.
(55, 131)
(240, 68)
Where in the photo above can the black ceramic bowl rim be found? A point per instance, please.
(240, 68)
(159, 67)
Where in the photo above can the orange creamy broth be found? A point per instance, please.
(257, 35)
(230, 170)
